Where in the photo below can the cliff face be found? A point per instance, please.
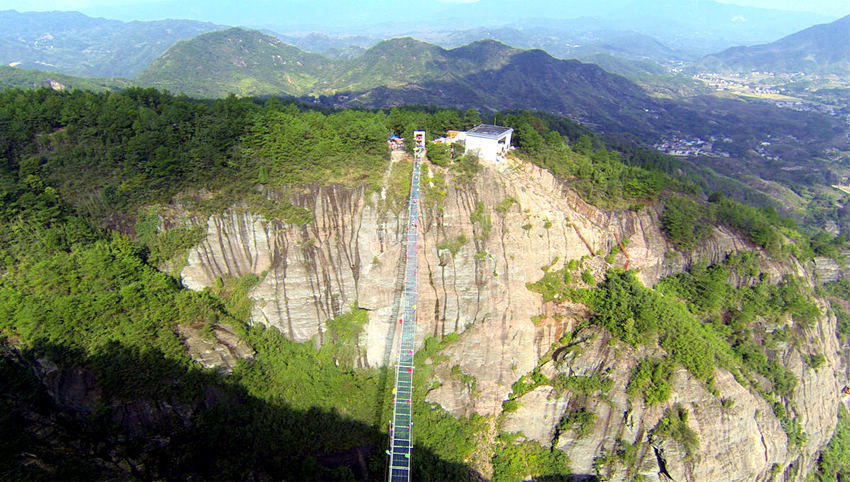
(478, 247)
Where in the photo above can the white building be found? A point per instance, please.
(489, 142)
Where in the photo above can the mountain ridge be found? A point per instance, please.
(821, 49)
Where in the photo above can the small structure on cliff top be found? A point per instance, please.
(490, 142)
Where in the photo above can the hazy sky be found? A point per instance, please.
(837, 8)
(148, 8)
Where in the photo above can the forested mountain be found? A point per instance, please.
(75, 44)
(822, 49)
(248, 62)
(239, 61)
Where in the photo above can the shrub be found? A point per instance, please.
(514, 460)
(580, 421)
(481, 220)
(674, 425)
(554, 285)
(684, 223)
(650, 380)
(583, 384)
(452, 245)
(834, 462)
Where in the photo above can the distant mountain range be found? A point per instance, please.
(249, 62)
(75, 44)
(486, 74)
(822, 49)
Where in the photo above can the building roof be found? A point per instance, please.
(489, 131)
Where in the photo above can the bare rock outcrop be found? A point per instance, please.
(216, 346)
(478, 247)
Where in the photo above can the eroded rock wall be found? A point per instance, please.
(353, 252)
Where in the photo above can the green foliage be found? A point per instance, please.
(341, 339)
(823, 244)
(509, 406)
(650, 380)
(588, 278)
(528, 383)
(708, 292)
(634, 313)
(234, 293)
(98, 295)
(599, 175)
(304, 377)
(504, 205)
(481, 221)
(782, 379)
(815, 361)
(842, 328)
(745, 264)
(684, 223)
(580, 421)
(704, 288)
(116, 151)
(834, 462)
(758, 225)
(235, 61)
(452, 245)
(837, 289)
(674, 425)
(468, 380)
(433, 188)
(449, 438)
(439, 154)
(792, 428)
(300, 147)
(13, 77)
(398, 187)
(627, 453)
(464, 168)
(584, 384)
(164, 245)
(519, 461)
(554, 285)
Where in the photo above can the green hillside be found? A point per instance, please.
(239, 61)
(34, 79)
(247, 62)
(822, 49)
(393, 62)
